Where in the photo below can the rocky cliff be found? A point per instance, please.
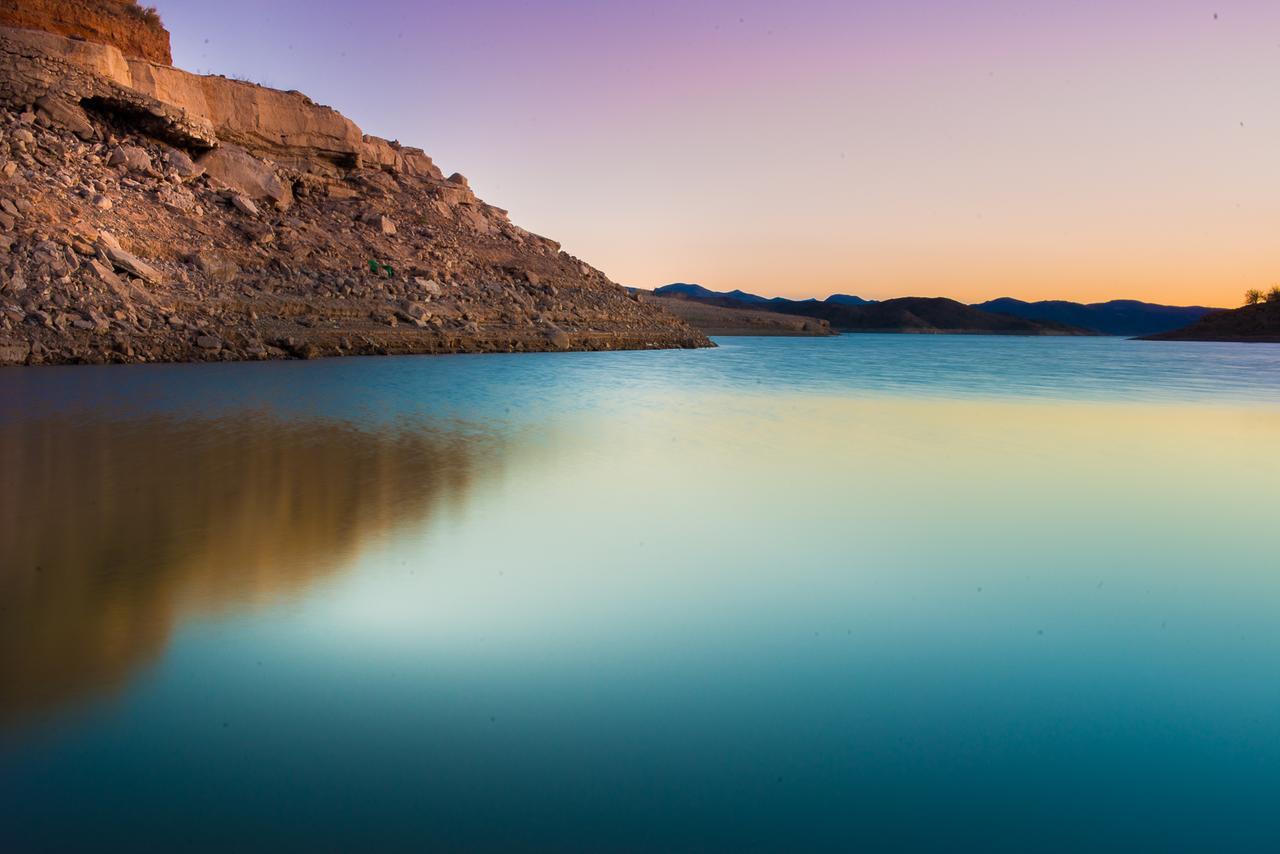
(135, 30)
(147, 213)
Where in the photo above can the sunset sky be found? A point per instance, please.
(1080, 150)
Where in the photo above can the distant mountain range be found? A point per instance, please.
(711, 318)
(919, 314)
(853, 314)
(1117, 317)
(688, 291)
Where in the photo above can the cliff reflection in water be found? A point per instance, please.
(111, 532)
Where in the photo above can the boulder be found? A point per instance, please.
(181, 162)
(414, 310)
(418, 164)
(453, 192)
(123, 260)
(244, 204)
(241, 171)
(391, 156)
(215, 266)
(379, 221)
(126, 291)
(429, 286)
(378, 153)
(256, 232)
(557, 337)
(131, 157)
(65, 114)
(17, 284)
(415, 313)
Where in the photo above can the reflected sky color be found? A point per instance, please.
(648, 601)
(1086, 150)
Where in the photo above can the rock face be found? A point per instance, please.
(286, 126)
(123, 24)
(92, 78)
(150, 214)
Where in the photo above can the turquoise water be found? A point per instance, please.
(874, 593)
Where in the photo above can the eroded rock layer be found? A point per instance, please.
(135, 30)
(147, 213)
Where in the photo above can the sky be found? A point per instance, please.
(1082, 150)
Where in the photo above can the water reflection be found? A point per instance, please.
(111, 532)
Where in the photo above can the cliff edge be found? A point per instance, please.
(135, 30)
(147, 213)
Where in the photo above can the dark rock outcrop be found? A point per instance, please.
(1250, 324)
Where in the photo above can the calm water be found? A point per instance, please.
(875, 592)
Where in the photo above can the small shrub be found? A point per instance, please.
(148, 14)
(1253, 296)
(1273, 295)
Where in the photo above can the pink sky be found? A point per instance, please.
(1084, 150)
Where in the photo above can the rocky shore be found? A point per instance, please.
(149, 214)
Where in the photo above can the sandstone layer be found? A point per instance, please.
(135, 30)
(147, 213)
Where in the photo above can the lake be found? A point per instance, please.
(870, 592)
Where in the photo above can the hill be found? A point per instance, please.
(1116, 317)
(683, 290)
(152, 214)
(906, 314)
(846, 299)
(925, 314)
(1252, 323)
(713, 319)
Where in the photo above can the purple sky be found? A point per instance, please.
(1078, 150)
